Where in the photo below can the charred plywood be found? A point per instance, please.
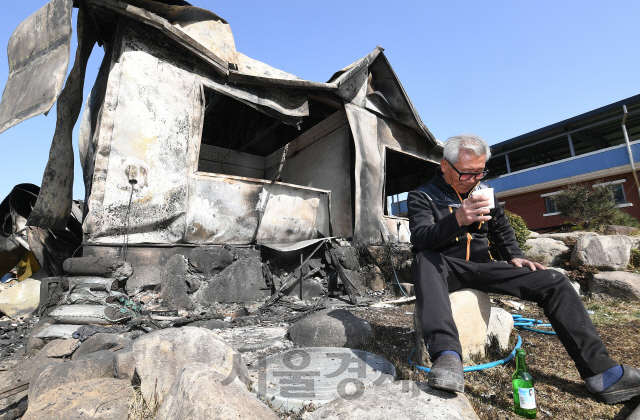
(332, 154)
(235, 210)
(38, 53)
(151, 133)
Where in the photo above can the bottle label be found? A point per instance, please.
(527, 398)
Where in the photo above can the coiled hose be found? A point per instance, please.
(518, 321)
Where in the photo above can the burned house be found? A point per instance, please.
(185, 141)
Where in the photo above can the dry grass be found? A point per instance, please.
(559, 390)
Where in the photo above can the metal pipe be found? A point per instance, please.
(626, 140)
(506, 157)
(573, 152)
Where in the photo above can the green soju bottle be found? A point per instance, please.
(524, 396)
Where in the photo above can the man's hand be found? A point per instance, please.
(472, 210)
(521, 262)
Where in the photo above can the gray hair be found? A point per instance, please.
(469, 142)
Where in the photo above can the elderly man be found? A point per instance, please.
(451, 230)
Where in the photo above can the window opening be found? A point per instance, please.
(403, 173)
(617, 193)
(550, 204)
(237, 139)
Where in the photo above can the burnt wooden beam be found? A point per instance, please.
(260, 136)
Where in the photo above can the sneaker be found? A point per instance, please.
(626, 388)
(446, 374)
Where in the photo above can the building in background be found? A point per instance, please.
(528, 170)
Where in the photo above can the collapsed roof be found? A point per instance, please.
(41, 45)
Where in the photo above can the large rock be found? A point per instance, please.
(160, 356)
(383, 255)
(55, 375)
(257, 341)
(397, 400)
(99, 399)
(62, 348)
(500, 326)
(619, 230)
(201, 392)
(618, 284)
(97, 266)
(471, 312)
(100, 341)
(567, 236)
(34, 344)
(331, 328)
(546, 251)
(610, 253)
(20, 299)
(242, 281)
(178, 283)
(348, 257)
(374, 278)
(210, 260)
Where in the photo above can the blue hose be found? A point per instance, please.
(518, 321)
(477, 367)
(528, 323)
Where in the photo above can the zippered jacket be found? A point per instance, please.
(433, 225)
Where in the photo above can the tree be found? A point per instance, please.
(585, 204)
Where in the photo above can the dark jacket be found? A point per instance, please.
(433, 225)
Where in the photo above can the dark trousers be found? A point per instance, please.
(436, 275)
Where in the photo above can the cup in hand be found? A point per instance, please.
(488, 192)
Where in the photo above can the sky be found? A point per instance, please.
(497, 69)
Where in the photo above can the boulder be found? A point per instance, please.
(397, 400)
(100, 341)
(373, 278)
(242, 281)
(34, 344)
(178, 283)
(610, 253)
(471, 312)
(145, 277)
(124, 364)
(500, 326)
(160, 356)
(546, 251)
(54, 375)
(568, 235)
(405, 272)
(27, 369)
(348, 257)
(100, 399)
(211, 324)
(618, 284)
(62, 348)
(97, 266)
(383, 255)
(200, 390)
(619, 230)
(20, 299)
(257, 341)
(210, 260)
(242, 252)
(400, 292)
(331, 328)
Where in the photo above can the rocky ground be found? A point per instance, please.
(560, 392)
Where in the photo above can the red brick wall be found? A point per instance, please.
(530, 206)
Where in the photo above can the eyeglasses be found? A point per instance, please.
(467, 176)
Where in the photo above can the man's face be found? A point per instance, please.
(467, 162)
